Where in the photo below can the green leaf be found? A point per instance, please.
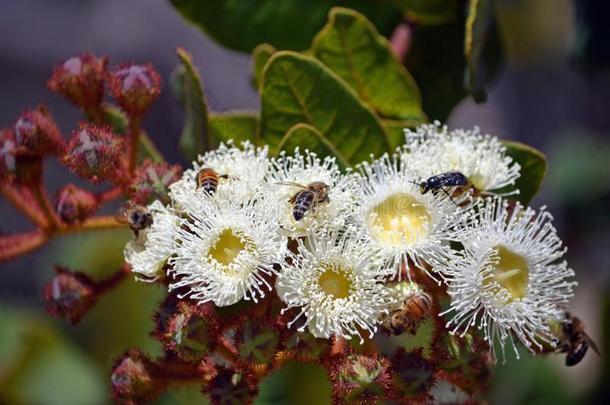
(533, 169)
(430, 12)
(285, 24)
(352, 48)
(300, 89)
(305, 136)
(188, 90)
(237, 125)
(478, 24)
(296, 384)
(40, 366)
(260, 56)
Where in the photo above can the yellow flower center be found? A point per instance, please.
(228, 246)
(335, 281)
(400, 219)
(478, 181)
(511, 272)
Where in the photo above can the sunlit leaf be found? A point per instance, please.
(533, 169)
(188, 90)
(237, 125)
(299, 89)
(260, 56)
(285, 24)
(352, 48)
(305, 136)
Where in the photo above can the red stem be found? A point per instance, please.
(108, 284)
(19, 197)
(109, 195)
(134, 135)
(40, 195)
(15, 245)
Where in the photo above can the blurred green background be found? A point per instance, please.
(553, 93)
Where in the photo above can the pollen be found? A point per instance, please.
(400, 220)
(511, 272)
(228, 246)
(335, 281)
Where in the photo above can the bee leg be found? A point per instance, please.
(450, 197)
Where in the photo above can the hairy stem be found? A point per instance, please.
(16, 195)
(16, 245)
(109, 195)
(40, 195)
(134, 137)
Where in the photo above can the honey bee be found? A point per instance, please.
(574, 340)
(136, 216)
(208, 178)
(414, 309)
(308, 198)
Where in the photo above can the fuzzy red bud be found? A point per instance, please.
(256, 341)
(133, 379)
(231, 387)
(94, 152)
(80, 79)
(75, 204)
(37, 133)
(134, 87)
(361, 379)
(192, 331)
(151, 182)
(69, 295)
(16, 162)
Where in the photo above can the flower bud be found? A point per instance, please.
(151, 182)
(75, 204)
(37, 133)
(134, 87)
(16, 163)
(69, 295)
(412, 374)
(80, 79)
(94, 152)
(8, 154)
(256, 341)
(133, 379)
(192, 331)
(361, 379)
(231, 387)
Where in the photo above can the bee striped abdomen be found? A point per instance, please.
(207, 179)
(302, 203)
(209, 185)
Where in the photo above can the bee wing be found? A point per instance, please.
(122, 216)
(291, 183)
(592, 344)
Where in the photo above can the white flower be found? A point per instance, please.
(335, 284)
(227, 248)
(242, 169)
(432, 149)
(510, 280)
(403, 224)
(302, 169)
(149, 251)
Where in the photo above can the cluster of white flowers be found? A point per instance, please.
(333, 244)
